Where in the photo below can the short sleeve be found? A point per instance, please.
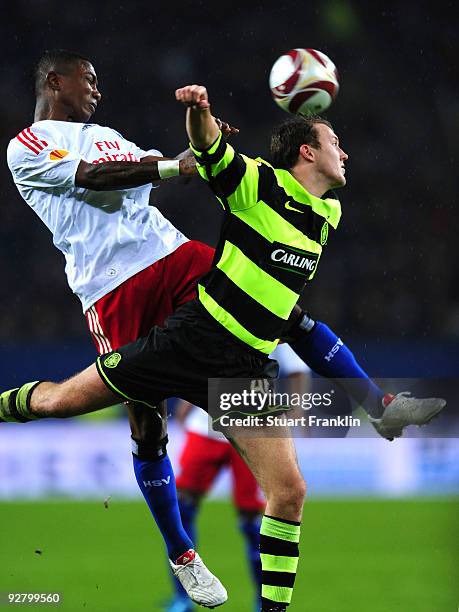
(38, 162)
(141, 153)
(137, 151)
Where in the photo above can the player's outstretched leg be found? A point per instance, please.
(81, 394)
(328, 356)
(274, 465)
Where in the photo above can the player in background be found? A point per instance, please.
(203, 456)
(230, 329)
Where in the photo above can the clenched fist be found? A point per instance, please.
(194, 96)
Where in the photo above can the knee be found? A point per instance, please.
(291, 494)
(148, 431)
(295, 492)
(148, 427)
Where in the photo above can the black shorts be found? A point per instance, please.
(178, 359)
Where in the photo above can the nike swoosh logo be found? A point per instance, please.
(288, 207)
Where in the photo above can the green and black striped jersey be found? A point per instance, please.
(270, 244)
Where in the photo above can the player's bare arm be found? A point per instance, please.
(201, 126)
(124, 175)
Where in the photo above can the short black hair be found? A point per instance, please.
(60, 60)
(288, 136)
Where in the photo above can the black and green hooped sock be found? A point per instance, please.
(15, 404)
(279, 552)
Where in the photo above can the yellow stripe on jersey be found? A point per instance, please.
(262, 287)
(229, 322)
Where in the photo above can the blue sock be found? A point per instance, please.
(188, 509)
(157, 482)
(328, 356)
(250, 528)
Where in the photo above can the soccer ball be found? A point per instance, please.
(304, 81)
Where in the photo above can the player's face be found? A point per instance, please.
(330, 157)
(79, 93)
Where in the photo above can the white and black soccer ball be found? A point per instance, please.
(304, 81)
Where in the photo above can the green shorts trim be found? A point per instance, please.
(115, 389)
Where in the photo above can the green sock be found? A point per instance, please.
(279, 552)
(15, 404)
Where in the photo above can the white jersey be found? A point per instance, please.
(289, 363)
(106, 236)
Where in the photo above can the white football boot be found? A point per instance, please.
(402, 410)
(200, 584)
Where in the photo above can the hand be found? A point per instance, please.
(201, 127)
(193, 96)
(226, 128)
(187, 166)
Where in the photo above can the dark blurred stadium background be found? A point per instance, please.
(389, 283)
(391, 273)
